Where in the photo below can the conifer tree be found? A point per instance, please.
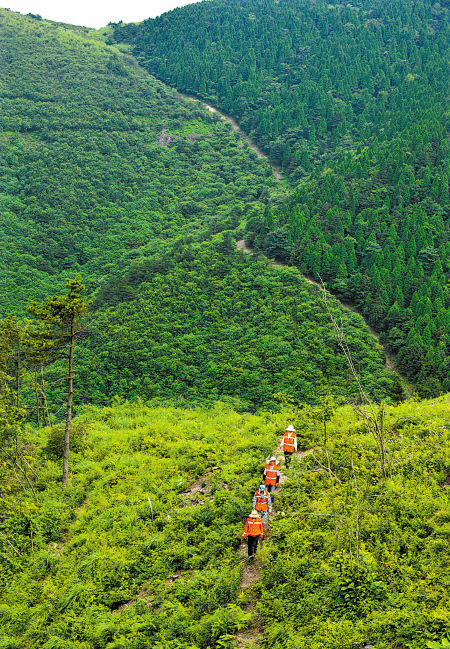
(61, 315)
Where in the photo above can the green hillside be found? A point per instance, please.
(351, 100)
(100, 161)
(101, 545)
(353, 562)
(111, 174)
(209, 323)
(99, 566)
(192, 355)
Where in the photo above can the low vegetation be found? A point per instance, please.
(355, 560)
(141, 549)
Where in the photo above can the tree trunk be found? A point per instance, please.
(18, 374)
(45, 410)
(38, 405)
(69, 406)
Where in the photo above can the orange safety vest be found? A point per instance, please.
(289, 443)
(262, 501)
(271, 474)
(253, 527)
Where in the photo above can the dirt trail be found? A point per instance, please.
(251, 575)
(389, 363)
(237, 129)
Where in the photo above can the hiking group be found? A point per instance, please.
(262, 500)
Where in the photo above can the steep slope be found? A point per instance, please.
(109, 172)
(351, 100)
(142, 549)
(100, 160)
(131, 555)
(202, 322)
(356, 562)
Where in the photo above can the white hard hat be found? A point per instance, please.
(254, 514)
(273, 459)
(291, 428)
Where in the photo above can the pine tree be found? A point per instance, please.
(61, 315)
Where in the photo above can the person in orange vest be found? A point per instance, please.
(271, 474)
(289, 444)
(262, 503)
(253, 531)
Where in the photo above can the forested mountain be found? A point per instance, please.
(350, 100)
(108, 172)
(193, 355)
(99, 161)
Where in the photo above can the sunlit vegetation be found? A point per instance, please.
(141, 549)
(351, 100)
(99, 160)
(131, 554)
(353, 560)
(190, 356)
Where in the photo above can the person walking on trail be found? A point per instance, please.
(253, 531)
(262, 503)
(289, 444)
(271, 474)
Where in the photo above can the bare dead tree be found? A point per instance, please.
(366, 410)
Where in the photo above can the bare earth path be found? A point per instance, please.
(237, 129)
(251, 576)
(389, 364)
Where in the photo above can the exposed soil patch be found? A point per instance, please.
(251, 573)
(201, 486)
(164, 139)
(143, 594)
(241, 246)
(200, 490)
(177, 575)
(250, 637)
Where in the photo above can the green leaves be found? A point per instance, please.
(438, 645)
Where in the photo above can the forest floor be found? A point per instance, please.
(251, 575)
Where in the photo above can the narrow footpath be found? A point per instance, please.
(237, 129)
(251, 575)
(390, 363)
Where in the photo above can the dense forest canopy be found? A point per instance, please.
(350, 100)
(99, 160)
(211, 324)
(109, 172)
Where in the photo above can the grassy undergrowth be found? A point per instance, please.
(94, 570)
(351, 560)
(354, 561)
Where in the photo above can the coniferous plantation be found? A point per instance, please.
(176, 290)
(350, 100)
